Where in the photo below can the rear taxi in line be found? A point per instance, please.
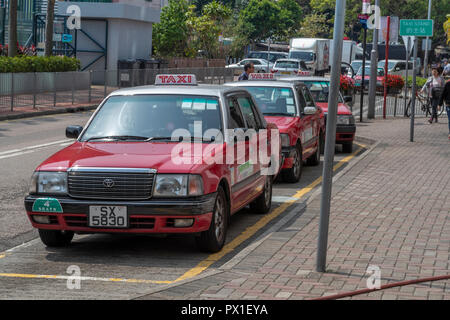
(291, 107)
(158, 159)
(345, 128)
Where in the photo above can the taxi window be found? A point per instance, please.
(236, 119)
(154, 115)
(249, 114)
(274, 101)
(287, 64)
(309, 100)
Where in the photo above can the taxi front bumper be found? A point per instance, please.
(345, 133)
(288, 153)
(150, 216)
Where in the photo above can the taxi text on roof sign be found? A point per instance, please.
(177, 79)
(261, 76)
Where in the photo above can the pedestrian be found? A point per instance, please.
(248, 68)
(433, 88)
(446, 68)
(445, 97)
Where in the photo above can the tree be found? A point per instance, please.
(314, 26)
(290, 18)
(170, 35)
(49, 28)
(204, 30)
(12, 29)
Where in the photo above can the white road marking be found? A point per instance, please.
(18, 152)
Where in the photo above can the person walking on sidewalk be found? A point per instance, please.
(248, 68)
(445, 97)
(433, 87)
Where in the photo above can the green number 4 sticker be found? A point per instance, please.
(47, 205)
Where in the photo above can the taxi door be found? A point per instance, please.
(309, 132)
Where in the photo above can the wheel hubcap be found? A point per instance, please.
(219, 219)
(296, 164)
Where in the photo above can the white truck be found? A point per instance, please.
(349, 51)
(314, 51)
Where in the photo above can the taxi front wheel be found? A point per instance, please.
(263, 203)
(213, 239)
(55, 238)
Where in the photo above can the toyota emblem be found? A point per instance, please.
(108, 183)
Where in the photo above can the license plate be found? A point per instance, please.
(108, 217)
(285, 72)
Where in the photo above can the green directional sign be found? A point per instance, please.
(416, 27)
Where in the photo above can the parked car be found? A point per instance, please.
(346, 128)
(291, 107)
(290, 67)
(261, 66)
(356, 64)
(398, 67)
(358, 78)
(125, 174)
(273, 55)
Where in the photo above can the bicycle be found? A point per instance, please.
(425, 105)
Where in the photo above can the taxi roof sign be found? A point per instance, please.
(261, 76)
(175, 79)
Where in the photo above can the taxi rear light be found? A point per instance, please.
(273, 71)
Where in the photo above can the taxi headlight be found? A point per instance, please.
(285, 141)
(48, 183)
(344, 119)
(178, 185)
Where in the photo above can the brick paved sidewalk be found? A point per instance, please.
(391, 209)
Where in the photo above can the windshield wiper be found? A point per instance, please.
(277, 114)
(121, 138)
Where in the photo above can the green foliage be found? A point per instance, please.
(314, 26)
(204, 30)
(171, 34)
(420, 82)
(38, 64)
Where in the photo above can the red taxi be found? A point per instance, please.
(158, 159)
(345, 126)
(291, 107)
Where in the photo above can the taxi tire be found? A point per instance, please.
(263, 203)
(314, 160)
(207, 241)
(322, 142)
(56, 238)
(347, 147)
(288, 174)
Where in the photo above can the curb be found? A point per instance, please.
(47, 112)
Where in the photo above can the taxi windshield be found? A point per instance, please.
(154, 116)
(274, 100)
(319, 90)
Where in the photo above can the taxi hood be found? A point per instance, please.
(153, 155)
(283, 123)
(342, 108)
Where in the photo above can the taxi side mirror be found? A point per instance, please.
(73, 132)
(309, 110)
(348, 99)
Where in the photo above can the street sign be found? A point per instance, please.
(67, 38)
(411, 42)
(418, 28)
(424, 41)
(363, 20)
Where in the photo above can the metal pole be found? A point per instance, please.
(90, 86)
(34, 89)
(406, 75)
(373, 69)
(54, 89)
(363, 76)
(339, 21)
(413, 99)
(386, 60)
(425, 60)
(12, 91)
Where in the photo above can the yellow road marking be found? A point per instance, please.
(250, 231)
(204, 264)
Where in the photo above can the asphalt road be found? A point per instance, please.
(114, 266)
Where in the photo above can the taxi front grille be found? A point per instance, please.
(111, 185)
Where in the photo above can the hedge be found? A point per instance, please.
(419, 81)
(38, 64)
